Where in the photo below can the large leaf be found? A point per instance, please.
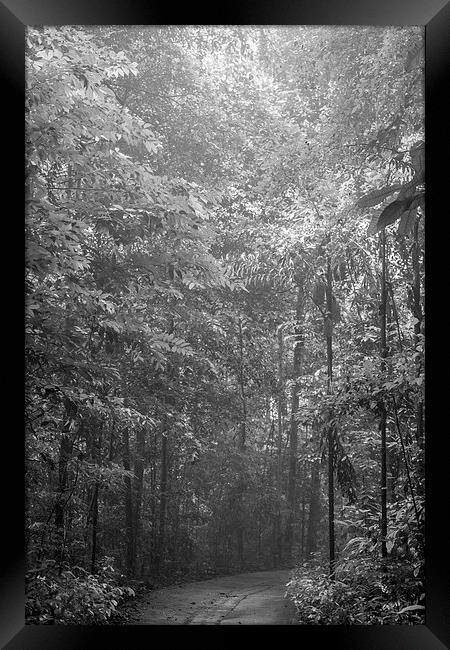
(406, 222)
(408, 190)
(407, 218)
(390, 214)
(417, 154)
(372, 227)
(411, 608)
(376, 196)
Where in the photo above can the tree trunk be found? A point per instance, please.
(162, 499)
(417, 327)
(138, 491)
(302, 545)
(241, 447)
(65, 453)
(278, 519)
(153, 501)
(94, 529)
(94, 538)
(314, 510)
(163, 481)
(128, 504)
(331, 426)
(293, 433)
(383, 416)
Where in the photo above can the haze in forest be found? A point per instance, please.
(225, 318)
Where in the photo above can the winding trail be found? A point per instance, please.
(255, 598)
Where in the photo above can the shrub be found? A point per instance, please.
(362, 593)
(75, 596)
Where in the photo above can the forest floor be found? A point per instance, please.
(255, 598)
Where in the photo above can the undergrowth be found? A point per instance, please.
(74, 596)
(363, 592)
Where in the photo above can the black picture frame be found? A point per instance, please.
(15, 16)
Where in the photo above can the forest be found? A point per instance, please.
(225, 312)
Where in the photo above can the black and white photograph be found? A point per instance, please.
(225, 325)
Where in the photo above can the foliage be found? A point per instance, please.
(363, 593)
(74, 596)
(196, 238)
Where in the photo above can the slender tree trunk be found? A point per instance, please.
(241, 447)
(331, 426)
(138, 491)
(242, 390)
(153, 499)
(128, 504)
(94, 529)
(417, 327)
(293, 433)
(314, 510)
(94, 532)
(161, 550)
(163, 491)
(65, 453)
(278, 522)
(383, 417)
(302, 546)
(163, 498)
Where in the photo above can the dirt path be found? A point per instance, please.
(244, 599)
